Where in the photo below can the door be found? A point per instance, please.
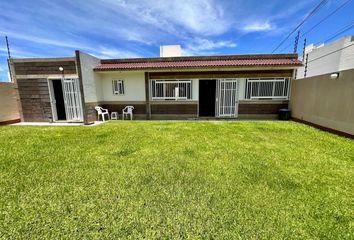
(72, 100)
(59, 100)
(52, 100)
(226, 101)
(207, 98)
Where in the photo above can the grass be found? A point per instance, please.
(174, 180)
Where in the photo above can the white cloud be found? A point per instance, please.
(16, 53)
(205, 17)
(42, 40)
(144, 22)
(131, 28)
(257, 27)
(105, 52)
(200, 46)
(290, 11)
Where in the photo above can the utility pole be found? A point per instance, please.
(296, 41)
(305, 71)
(9, 57)
(303, 51)
(8, 47)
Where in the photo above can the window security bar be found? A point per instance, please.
(171, 89)
(261, 88)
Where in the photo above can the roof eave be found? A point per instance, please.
(202, 58)
(290, 66)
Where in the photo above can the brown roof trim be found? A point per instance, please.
(191, 68)
(58, 59)
(199, 58)
(200, 67)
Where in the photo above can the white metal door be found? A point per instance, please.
(226, 102)
(72, 99)
(52, 100)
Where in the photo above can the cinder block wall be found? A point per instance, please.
(324, 101)
(35, 100)
(8, 103)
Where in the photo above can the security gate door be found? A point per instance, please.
(226, 102)
(72, 99)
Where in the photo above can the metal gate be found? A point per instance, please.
(72, 99)
(226, 102)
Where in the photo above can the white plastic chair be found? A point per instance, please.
(114, 116)
(128, 110)
(101, 112)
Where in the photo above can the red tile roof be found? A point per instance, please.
(200, 62)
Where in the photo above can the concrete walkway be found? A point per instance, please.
(66, 124)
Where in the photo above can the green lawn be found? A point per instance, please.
(172, 180)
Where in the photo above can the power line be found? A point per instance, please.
(313, 12)
(348, 27)
(326, 17)
(289, 45)
(331, 53)
(342, 30)
(321, 21)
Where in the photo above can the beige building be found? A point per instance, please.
(325, 97)
(9, 111)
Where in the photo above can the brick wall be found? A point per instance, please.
(91, 113)
(261, 108)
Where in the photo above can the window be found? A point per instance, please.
(171, 89)
(267, 88)
(118, 87)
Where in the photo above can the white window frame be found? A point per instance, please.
(118, 86)
(164, 82)
(286, 88)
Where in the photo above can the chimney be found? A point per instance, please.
(170, 51)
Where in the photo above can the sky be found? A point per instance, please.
(136, 28)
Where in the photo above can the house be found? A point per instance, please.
(167, 87)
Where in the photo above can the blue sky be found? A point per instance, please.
(136, 28)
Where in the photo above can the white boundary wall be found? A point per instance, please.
(8, 102)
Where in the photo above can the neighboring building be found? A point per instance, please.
(322, 59)
(168, 87)
(325, 97)
(170, 51)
